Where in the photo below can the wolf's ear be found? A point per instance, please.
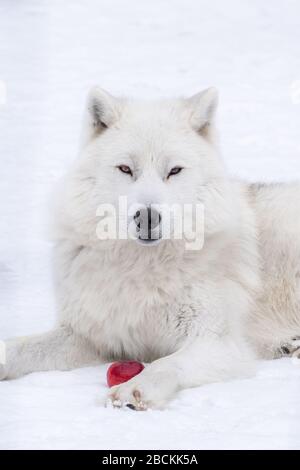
(101, 112)
(102, 108)
(203, 107)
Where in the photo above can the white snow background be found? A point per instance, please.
(51, 52)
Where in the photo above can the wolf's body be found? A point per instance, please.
(196, 316)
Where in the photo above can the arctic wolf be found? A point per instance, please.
(194, 315)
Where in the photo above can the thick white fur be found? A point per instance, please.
(196, 316)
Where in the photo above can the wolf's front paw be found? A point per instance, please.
(150, 389)
(291, 348)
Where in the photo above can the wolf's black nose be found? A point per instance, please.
(147, 219)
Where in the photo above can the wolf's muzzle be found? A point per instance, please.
(148, 223)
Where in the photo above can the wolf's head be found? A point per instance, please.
(152, 155)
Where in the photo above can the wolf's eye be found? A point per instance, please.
(125, 169)
(175, 171)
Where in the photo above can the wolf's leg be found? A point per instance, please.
(58, 349)
(202, 361)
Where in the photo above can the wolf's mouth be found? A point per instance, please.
(148, 241)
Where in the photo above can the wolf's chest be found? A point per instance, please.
(135, 327)
(124, 314)
(145, 339)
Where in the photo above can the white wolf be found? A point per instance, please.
(196, 316)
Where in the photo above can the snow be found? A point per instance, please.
(50, 54)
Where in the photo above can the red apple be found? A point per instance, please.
(120, 372)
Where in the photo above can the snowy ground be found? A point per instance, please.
(51, 52)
